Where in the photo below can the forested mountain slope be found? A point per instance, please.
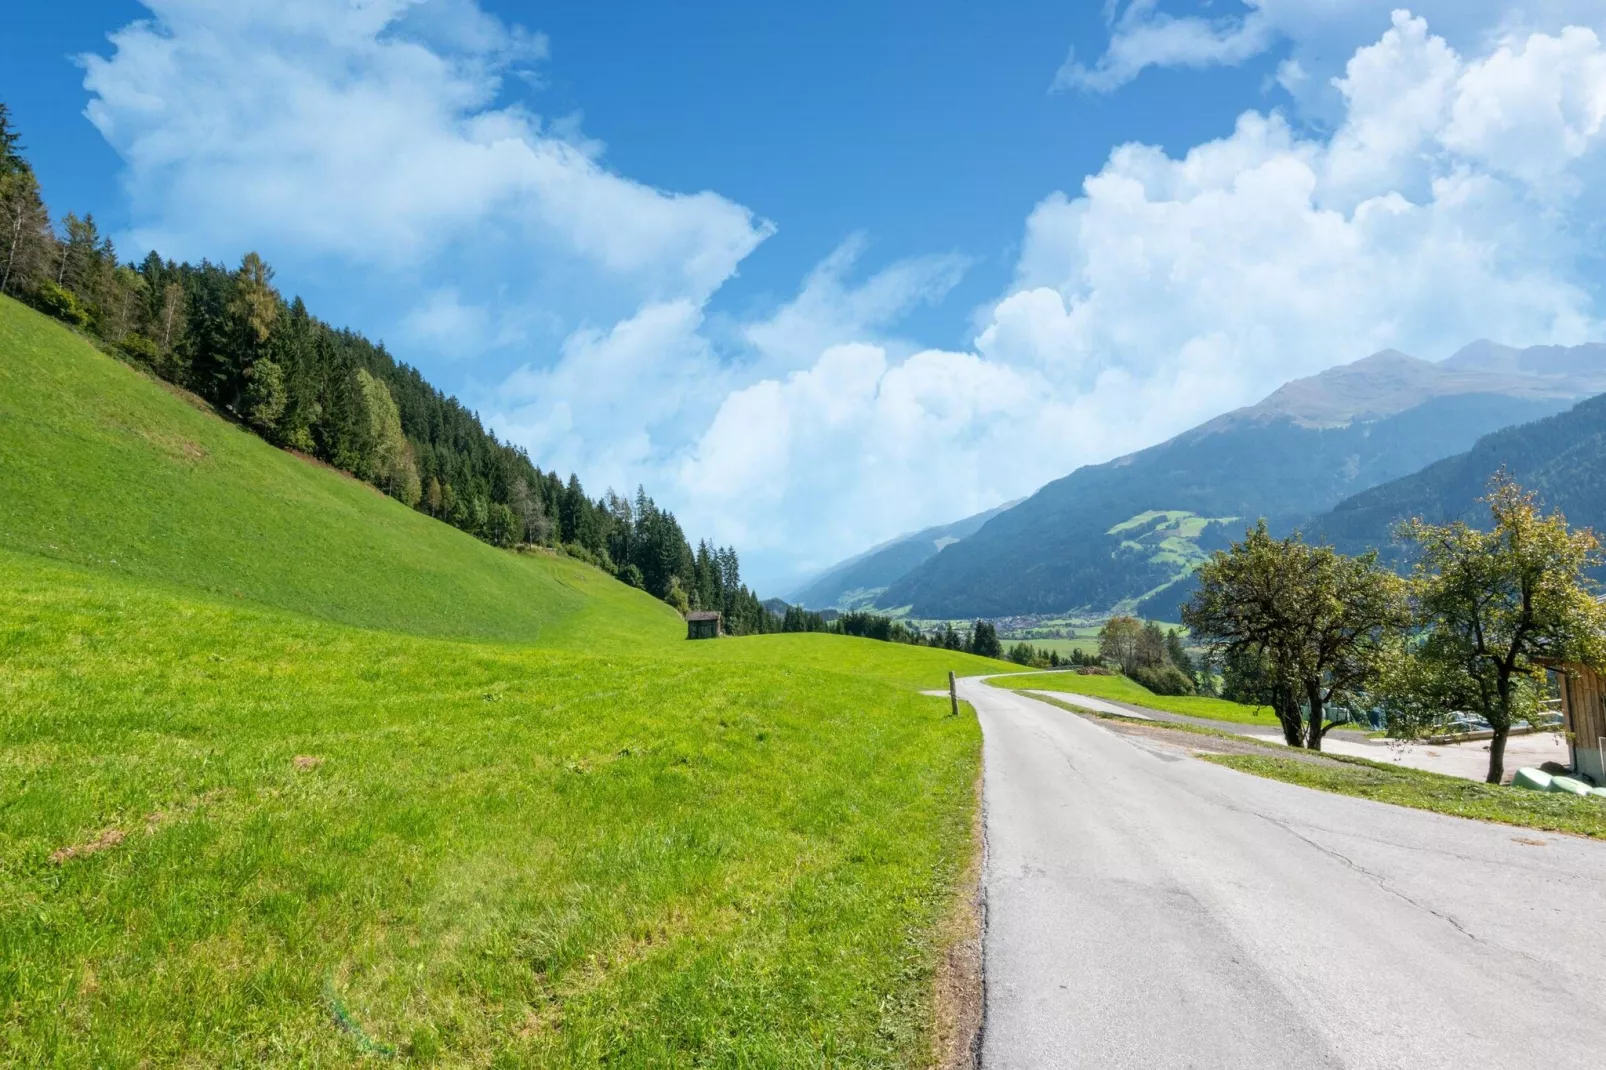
(1562, 458)
(860, 580)
(1129, 532)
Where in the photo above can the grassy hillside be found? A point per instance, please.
(278, 787)
(1175, 541)
(108, 468)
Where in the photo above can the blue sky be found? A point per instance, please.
(927, 128)
(820, 274)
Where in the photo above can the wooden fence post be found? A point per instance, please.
(953, 692)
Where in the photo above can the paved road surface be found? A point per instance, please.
(1146, 909)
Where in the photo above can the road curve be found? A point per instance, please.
(1146, 909)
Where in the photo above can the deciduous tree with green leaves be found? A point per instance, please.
(1119, 640)
(1495, 606)
(1324, 623)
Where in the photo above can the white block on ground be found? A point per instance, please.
(1534, 779)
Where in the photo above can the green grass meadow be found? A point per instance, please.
(293, 776)
(1063, 647)
(1402, 786)
(1121, 689)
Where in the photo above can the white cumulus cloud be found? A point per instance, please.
(372, 132)
(619, 401)
(1447, 205)
(1320, 32)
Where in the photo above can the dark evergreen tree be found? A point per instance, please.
(984, 640)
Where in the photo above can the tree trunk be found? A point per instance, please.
(1502, 728)
(11, 256)
(1287, 711)
(1318, 714)
(1497, 756)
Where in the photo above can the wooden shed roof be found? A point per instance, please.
(702, 615)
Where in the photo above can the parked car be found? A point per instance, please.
(1461, 723)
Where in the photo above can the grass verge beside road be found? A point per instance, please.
(1429, 791)
(220, 823)
(1120, 689)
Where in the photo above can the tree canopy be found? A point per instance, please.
(1494, 607)
(1319, 623)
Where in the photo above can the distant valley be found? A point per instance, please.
(1126, 535)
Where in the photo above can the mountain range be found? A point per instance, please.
(1562, 459)
(1128, 533)
(860, 580)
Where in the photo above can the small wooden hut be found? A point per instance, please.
(1582, 690)
(703, 625)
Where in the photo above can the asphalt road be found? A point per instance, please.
(1146, 909)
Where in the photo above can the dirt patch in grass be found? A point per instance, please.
(107, 839)
(306, 761)
(307, 458)
(959, 997)
(174, 445)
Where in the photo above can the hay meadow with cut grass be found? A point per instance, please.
(293, 775)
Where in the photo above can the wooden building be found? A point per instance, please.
(703, 626)
(1582, 691)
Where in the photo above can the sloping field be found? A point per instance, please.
(292, 776)
(107, 468)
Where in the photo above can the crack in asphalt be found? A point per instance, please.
(1382, 881)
